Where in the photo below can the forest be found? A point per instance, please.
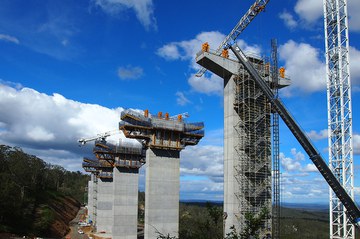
(31, 189)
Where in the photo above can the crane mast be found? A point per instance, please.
(339, 112)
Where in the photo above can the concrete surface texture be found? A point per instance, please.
(231, 186)
(125, 207)
(105, 199)
(90, 205)
(162, 193)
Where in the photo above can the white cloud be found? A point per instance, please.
(9, 38)
(309, 10)
(310, 168)
(288, 19)
(144, 10)
(169, 52)
(203, 161)
(130, 72)
(356, 143)
(207, 85)
(200, 189)
(294, 163)
(297, 155)
(357, 191)
(181, 99)
(354, 58)
(187, 50)
(303, 66)
(323, 134)
(354, 17)
(289, 164)
(49, 126)
(38, 133)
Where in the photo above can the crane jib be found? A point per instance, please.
(352, 210)
(257, 7)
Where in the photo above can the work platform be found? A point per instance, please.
(227, 67)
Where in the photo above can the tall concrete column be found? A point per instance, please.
(125, 208)
(104, 217)
(162, 192)
(90, 205)
(231, 186)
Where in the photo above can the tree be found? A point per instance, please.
(253, 224)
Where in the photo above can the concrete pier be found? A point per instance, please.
(125, 207)
(164, 137)
(162, 193)
(90, 205)
(231, 186)
(105, 199)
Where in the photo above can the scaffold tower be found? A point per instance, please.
(253, 171)
(339, 112)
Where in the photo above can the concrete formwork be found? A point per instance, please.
(105, 198)
(162, 193)
(125, 208)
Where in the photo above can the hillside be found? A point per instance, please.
(36, 198)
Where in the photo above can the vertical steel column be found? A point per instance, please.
(275, 143)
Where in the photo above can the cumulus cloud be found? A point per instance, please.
(288, 19)
(143, 9)
(303, 66)
(49, 126)
(181, 99)
(354, 17)
(354, 57)
(356, 144)
(322, 134)
(309, 10)
(294, 163)
(187, 50)
(130, 72)
(203, 161)
(207, 85)
(8, 38)
(200, 189)
(307, 71)
(289, 164)
(310, 168)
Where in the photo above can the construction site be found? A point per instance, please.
(252, 110)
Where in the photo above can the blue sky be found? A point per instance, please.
(68, 68)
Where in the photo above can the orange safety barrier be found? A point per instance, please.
(282, 72)
(225, 53)
(205, 47)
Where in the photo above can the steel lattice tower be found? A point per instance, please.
(275, 144)
(339, 112)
